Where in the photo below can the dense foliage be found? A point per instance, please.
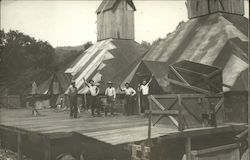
(24, 59)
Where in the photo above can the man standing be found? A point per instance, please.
(129, 93)
(111, 96)
(94, 91)
(73, 100)
(144, 88)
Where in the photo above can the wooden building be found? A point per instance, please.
(115, 19)
(198, 8)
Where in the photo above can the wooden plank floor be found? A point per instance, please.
(112, 130)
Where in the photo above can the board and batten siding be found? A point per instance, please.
(117, 23)
(198, 8)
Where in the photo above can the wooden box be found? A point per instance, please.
(191, 77)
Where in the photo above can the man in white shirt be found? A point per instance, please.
(129, 93)
(144, 89)
(111, 96)
(94, 92)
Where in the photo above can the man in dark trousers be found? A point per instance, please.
(144, 89)
(94, 92)
(73, 100)
(129, 93)
(111, 96)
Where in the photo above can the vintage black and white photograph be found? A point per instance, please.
(124, 80)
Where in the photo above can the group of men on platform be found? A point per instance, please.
(110, 94)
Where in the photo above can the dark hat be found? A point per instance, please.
(73, 81)
(126, 83)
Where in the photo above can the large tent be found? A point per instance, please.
(106, 60)
(53, 89)
(218, 39)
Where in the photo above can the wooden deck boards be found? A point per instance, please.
(112, 130)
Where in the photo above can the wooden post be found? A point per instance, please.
(8, 101)
(139, 103)
(180, 116)
(19, 146)
(188, 148)
(149, 123)
(85, 101)
(47, 148)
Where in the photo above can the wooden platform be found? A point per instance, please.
(111, 130)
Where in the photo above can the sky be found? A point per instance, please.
(72, 23)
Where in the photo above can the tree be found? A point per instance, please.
(23, 60)
(87, 45)
(146, 44)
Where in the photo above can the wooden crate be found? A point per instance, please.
(140, 152)
(191, 77)
(187, 110)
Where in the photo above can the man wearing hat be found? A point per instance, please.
(129, 93)
(94, 92)
(73, 99)
(111, 96)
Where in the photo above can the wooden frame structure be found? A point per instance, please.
(187, 110)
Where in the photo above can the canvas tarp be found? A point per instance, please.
(57, 83)
(218, 39)
(107, 60)
(145, 69)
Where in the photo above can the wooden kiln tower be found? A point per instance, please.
(115, 19)
(198, 8)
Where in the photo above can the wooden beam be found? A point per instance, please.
(242, 134)
(163, 112)
(225, 85)
(196, 89)
(219, 105)
(179, 75)
(19, 146)
(203, 131)
(180, 117)
(156, 102)
(149, 125)
(190, 71)
(213, 73)
(185, 95)
(188, 148)
(214, 149)
(174, 121)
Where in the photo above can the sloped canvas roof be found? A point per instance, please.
(218, 39)
(146, 69)
(60, 77)
(107, 60)
(110, 4)
(45, 86)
